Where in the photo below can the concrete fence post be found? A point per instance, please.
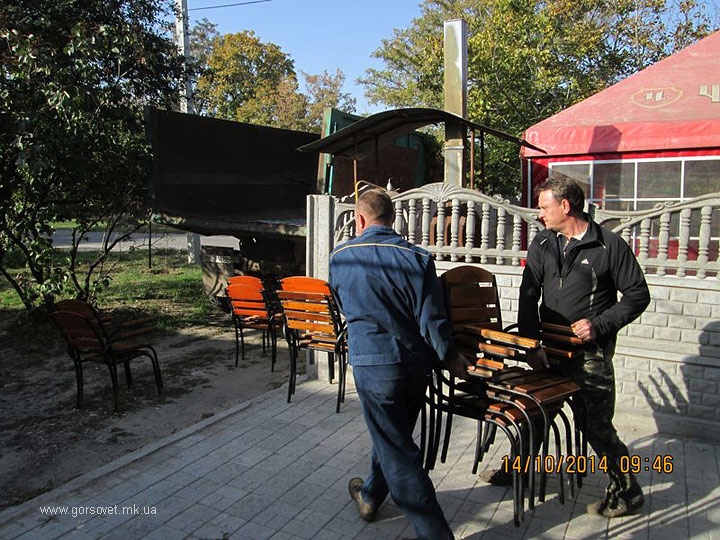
(320, 230)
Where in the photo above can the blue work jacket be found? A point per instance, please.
(392, 300)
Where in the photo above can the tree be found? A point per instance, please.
(75, 77)
(326, 91)
(529, 59)
(240, 70)
(244, 79)
(202, 37)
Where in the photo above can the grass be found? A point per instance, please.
(171, 291)
(157, 228)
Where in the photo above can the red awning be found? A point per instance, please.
(673, 104)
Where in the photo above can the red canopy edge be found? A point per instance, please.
(673, 104)
(622, 138)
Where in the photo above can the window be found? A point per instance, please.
(639, 184)
(701, 177)
(614, 181)
(659, 180)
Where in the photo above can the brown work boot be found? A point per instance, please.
(366, 511)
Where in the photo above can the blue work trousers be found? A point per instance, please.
(391, 397)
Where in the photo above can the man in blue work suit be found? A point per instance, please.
(398, 328)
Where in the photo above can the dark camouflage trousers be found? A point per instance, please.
(592, 370)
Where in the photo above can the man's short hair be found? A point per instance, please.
(376, 205)
(564, 187)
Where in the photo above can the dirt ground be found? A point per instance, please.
(46, 441)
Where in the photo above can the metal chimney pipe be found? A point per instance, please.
(455, 86)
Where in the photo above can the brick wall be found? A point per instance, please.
(667, 363)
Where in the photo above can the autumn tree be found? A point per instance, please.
(529, 59)
(244, 79)
(240, 69)
(75, 77)
(325, 90)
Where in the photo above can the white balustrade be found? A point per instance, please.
(461, 225)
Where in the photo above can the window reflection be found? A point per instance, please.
(623, 185)
(702, 177)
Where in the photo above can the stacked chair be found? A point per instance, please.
(93, 337)
(313, 322)
(526, 405)
(253, 308)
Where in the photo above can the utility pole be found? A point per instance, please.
(182, 29)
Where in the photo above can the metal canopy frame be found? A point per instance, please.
(365, 137)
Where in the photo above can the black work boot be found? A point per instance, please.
(617, 504)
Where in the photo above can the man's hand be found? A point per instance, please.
(459, 367)
(584, 330)
(538, 360)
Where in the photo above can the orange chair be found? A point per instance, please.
(252, 309)
(313, 322)
(87, 340)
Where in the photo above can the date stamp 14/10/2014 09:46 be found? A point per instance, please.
(571, 464)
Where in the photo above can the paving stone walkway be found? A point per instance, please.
(271, 470)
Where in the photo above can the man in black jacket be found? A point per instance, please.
(577, 268)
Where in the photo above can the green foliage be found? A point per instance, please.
(171, 291)
(75, 78)
(241, 78)
(529, 59)
(202, 36)
(240, 70)
(325, 91)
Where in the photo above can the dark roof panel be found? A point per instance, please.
(365, 136)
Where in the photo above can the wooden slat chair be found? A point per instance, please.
(443, 399)
(541, 395)
(551, 392)
(252, 309)
(474, 307)
(474, 399)
(313, 322)
(524, 407)
(472, 300)
(87, 340)
(121, 329)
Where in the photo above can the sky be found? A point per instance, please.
(318, 35)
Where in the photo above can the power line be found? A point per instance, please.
(230, 5)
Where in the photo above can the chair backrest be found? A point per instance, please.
(82, 332)
(245, 280)
(559, 342)
(473, 306)
(308, 307)
(76, 306)
(471, 297)
(247, 299)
